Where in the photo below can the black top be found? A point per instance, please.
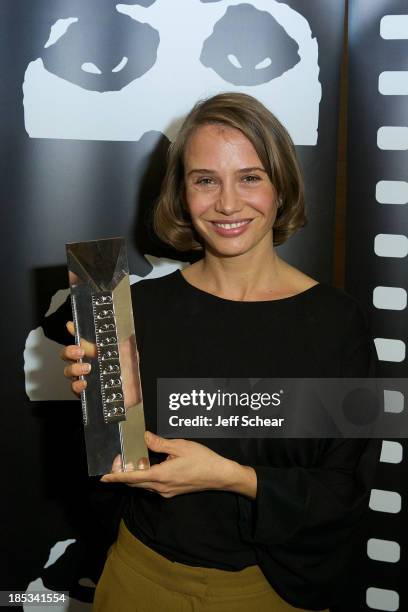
(311, 493)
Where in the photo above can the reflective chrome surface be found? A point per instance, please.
(112, 404)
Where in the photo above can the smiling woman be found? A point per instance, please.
(234, 525)
(234, 199)
(262, 149)
(233, 187)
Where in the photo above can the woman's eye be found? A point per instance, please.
(205, 180)
(251, 178)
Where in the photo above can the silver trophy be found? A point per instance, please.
(112, 406)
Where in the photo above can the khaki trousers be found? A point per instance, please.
(137, 579)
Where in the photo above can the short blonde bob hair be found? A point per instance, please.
(275, 149)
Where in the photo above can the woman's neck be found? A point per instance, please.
(250, 276)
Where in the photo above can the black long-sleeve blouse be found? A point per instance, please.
(311, 494)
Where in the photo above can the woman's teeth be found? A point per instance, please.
(231, 225)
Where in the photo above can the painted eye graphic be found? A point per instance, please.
(249, 47)
(77, 51)
(93, 69)
(262, 47)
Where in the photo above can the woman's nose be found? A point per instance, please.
(228, 201)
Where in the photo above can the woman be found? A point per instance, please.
(237, 524)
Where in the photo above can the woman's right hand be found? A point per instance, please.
(72, 353)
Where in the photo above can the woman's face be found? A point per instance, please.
(229, 195)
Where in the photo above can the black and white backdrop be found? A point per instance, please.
(92, 93)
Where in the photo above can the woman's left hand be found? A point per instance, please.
(189, 467)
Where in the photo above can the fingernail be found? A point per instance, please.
(86, 368)
(143, 464)
(148, 437)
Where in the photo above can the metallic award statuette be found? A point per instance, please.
(112, 405)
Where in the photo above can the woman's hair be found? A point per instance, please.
(274, 147)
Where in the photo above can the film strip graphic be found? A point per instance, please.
(379, 197)
(390, 193)
(108, 357)
(378, 261)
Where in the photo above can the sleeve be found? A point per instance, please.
(305, 521)
(54, 325)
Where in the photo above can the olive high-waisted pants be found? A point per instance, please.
(137, 579)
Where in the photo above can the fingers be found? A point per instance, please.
(88, 348)
(117, 465)
(77, 368)
(164, 445)
(78, 386)
(147, 477)
(72, 352)
(143, 463)
(70, 327)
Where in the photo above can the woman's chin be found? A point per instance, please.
(226, 250)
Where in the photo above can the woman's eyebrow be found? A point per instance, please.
(240, 170)
(201, 171)
(252, 169)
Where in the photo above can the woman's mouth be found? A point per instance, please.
(232, 228)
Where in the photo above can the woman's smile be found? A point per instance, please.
(228, 191)
(231, 228)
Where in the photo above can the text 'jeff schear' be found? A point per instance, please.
(233, 420)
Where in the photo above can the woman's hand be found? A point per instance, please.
(129, 375)
(189, 467)
(72, 354)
